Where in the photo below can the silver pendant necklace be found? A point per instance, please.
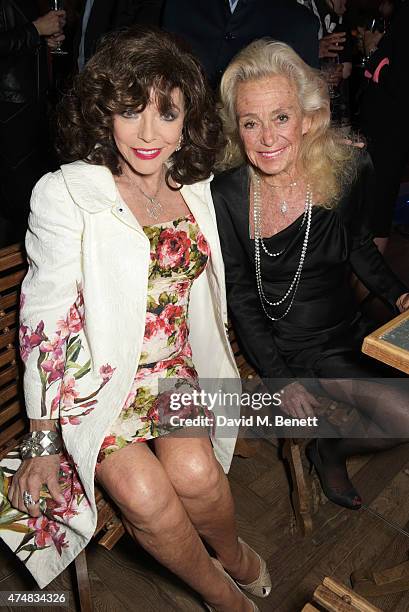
(153, 207)
(258, 242)
(284, 205)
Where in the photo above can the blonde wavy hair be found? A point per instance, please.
(328, 162)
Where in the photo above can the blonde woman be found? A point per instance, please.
(291, 217)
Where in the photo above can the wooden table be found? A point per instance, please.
(390, 343)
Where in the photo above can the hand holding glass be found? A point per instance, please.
(58, 5)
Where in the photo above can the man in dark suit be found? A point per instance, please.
(217, 29)
(102, 16)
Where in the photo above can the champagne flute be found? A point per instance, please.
(58, 5)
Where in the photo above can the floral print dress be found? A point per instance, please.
(179, 254)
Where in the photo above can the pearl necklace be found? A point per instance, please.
(258, 240)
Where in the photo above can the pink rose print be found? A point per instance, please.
(154, 326)
(186, 351)
(173, 248)
(182, 336)
(169, 315)
(202, 245)
(108, 441)
(131, 395)
(182, 288)
(184, 371)
(141, 374)
(161, 407)
(152, 414)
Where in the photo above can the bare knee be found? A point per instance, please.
(144, 498)
(194, 473)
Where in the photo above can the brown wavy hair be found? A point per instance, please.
(128, 66)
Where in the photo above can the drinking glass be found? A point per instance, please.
(58, 5)
(329, 66)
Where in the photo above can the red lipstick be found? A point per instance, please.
(146, 153)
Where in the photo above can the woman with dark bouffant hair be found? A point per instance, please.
(125, 291)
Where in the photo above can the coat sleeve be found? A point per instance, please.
(51, 299)
(303, 36)
(252, 327)
(365, 258)
(19, 41)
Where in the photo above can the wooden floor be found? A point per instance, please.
(127, 580)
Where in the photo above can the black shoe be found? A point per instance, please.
(349, 498)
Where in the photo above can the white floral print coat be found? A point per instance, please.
(82, 326)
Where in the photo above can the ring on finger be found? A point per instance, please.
(28, 499)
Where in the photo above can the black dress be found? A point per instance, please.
(322, 333)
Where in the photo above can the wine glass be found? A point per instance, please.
(58, 5)
(329, 66)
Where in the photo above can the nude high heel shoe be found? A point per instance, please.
(261, 586)
(220, 568)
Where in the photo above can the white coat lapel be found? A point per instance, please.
(93, 188)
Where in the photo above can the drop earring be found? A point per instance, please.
(179, 146)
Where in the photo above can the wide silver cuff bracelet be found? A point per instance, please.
(40, 444)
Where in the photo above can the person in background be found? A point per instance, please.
(24, 155)
(102, 16)
(217, 29)
(335, 52)
(384, 117)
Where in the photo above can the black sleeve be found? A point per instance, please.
(19, 41)
(306, 41)
(347, 52)
(366, 261)
(253, 329)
